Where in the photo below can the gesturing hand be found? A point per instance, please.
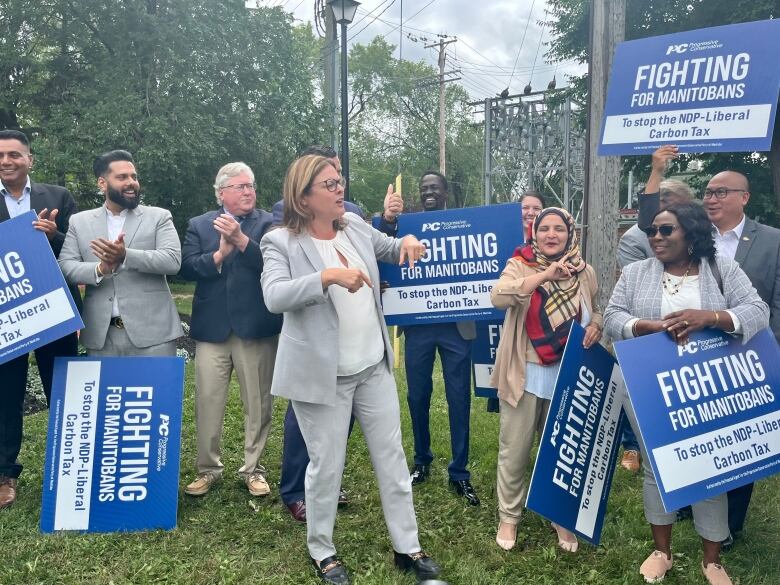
(226, 225)
(394, 204)
(46, 222)
(110, 253)
(349, 278)
(411, 250)
(559, 271)
(662, 156)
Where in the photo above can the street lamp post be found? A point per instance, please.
(344, 14)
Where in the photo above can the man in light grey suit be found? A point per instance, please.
(122, 252)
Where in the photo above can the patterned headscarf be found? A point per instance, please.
(554, 304)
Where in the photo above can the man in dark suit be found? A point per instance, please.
(453, 343)
(54, 206)
(231, 325)
(757, 249)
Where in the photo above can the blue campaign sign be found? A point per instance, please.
(573, 472)
(112, 453)
(35, 305)
(707, 411)
(483, 356)
(706, 90)
(467, 250)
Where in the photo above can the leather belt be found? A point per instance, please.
(117, 322)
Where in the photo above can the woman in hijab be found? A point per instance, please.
(545, 287)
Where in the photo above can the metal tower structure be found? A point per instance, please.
(535, 141)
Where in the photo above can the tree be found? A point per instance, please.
(185, 85)
(385, 90)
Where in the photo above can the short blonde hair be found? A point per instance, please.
(297, 184)
(226, 173)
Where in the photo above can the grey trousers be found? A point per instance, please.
(118, 344)
(253, 362)
(710, 516)
(372, 396)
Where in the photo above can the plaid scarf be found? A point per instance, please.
(555, 304)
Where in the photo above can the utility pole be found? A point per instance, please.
(602, 173)
(329, 57)
(442, 44)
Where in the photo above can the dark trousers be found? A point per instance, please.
(13, 385)
(739, 500)
(295, 459)
(422, 343)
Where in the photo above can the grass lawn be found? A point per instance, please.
(228, 537)
(182, 296)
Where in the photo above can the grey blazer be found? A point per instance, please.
(639, 289)
(633, 246)
(140, 286)
(758, 254)
(307, 357)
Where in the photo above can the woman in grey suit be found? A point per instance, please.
(335, 356)
(683, 289)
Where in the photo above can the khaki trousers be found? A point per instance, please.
(253, 362)
(516, 434)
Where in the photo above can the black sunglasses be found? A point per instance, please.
(665, 230)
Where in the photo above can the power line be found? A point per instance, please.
(408, 19)
(369, 12)
(527, 22)
(373, 20)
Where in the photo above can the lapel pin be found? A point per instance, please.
(745, 238)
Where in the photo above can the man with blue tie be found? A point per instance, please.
(231, 325)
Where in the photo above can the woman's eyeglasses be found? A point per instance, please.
(333, 184)
(665, 230)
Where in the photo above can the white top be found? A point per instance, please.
(688, 296)
(114, 225)
(540, 380)
(360, 334)
(726, 243)
(16, 206)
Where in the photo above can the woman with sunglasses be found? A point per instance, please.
(684, 288)
(544, 288)
(335, 356)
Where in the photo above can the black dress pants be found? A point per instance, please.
(13, 385)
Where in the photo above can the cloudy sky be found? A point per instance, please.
(500, 42)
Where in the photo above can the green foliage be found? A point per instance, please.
(185, 85)
(384, 91)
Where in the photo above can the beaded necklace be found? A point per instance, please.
(672, 287)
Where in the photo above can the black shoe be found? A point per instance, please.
(343, 498)
(727, 544)
(331, 570)
(424, 567)
(464, 488)
(420, 473)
